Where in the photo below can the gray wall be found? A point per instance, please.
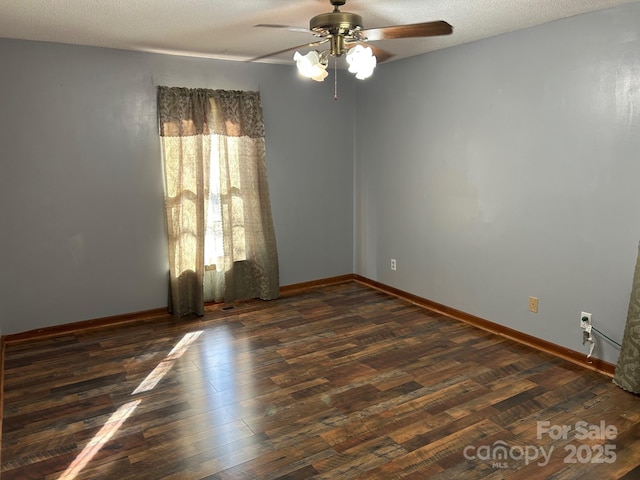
(509, 168)
(82, 223)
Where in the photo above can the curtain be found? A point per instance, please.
(627, 373)
(222, 244)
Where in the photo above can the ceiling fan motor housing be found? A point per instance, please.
(336, 23)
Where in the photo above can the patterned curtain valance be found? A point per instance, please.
(186, 112)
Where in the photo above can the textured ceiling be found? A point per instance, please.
(225, 28)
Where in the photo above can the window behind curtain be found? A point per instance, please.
(219, 224)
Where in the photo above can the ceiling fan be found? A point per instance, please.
(343, 33)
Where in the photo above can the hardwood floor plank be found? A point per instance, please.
(360, 458)
(336, 382)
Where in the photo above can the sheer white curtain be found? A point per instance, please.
(222, 243)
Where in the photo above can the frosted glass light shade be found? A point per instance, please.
(309, 65)
(361, 61)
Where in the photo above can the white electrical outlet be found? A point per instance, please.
(585, 319)
(393, 264)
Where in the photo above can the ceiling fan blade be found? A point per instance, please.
(413, 30)
(304, 45)
(380, 54)
(284, 27)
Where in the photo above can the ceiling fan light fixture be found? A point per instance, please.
(311, 65)
(361, 61)
(345, 35)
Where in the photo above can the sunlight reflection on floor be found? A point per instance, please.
(120, 416)
(163, 367)
(97, 442)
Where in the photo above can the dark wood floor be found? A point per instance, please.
(340, 382)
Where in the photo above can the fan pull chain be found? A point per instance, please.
(335, 78)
